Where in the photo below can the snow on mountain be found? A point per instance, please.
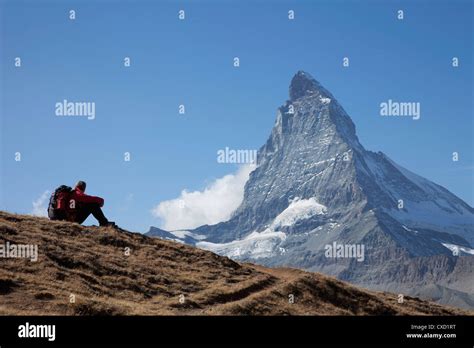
(458, 249)
(439, 209)
(183, 234)
(299, 209)
(255, 246)
(424, 203)
(266, 244)
(325, 100)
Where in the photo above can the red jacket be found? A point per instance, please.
(80, 197)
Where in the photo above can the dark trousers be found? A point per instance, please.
(84, 210)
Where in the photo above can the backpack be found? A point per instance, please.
(58, 203)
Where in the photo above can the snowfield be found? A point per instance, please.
(458, 249)
(267, 243)
(299, 209)
(256, 245)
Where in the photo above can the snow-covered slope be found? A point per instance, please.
(254, 246)
(268, 243)
(416, 201)
(299, 209)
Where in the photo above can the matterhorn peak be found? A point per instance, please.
(316, 188)
(303, 84)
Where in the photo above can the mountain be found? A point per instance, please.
(116, 272)
(316, 188)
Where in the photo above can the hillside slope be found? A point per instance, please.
(161, 277)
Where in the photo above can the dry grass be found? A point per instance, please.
(90, 262)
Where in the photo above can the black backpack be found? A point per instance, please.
(56, 212)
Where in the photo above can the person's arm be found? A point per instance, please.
(83, 198)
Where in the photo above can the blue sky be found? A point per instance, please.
(190, 62)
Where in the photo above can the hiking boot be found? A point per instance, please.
(109, 224)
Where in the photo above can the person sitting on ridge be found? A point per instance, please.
(75, 206)
(86, 205)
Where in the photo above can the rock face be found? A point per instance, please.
(316, 187)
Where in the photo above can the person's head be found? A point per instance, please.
(81, 185)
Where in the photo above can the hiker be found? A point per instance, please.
(75, 206)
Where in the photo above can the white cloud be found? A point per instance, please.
(40, 205)
(210, 206)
